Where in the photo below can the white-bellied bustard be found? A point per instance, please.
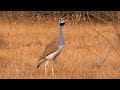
(54, 48)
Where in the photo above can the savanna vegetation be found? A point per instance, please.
(92, 44)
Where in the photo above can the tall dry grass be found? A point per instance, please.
(86, 54)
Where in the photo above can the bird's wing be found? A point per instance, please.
(50, 48)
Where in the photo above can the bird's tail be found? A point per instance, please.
(40, 62)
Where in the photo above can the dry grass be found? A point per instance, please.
(22, 43)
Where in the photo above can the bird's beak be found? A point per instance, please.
(65, 19)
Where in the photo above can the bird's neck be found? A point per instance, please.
(60, 36)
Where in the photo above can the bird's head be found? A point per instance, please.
(62, 20)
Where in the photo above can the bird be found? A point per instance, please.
(53, 48)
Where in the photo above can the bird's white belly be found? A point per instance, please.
(52, 55)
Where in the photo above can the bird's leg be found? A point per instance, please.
(46, 66)
(52, 71)
(53, 68)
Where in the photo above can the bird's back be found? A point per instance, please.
(50, 48)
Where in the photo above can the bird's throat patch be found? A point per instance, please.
(61, 24)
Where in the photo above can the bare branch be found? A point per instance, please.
(104, 38)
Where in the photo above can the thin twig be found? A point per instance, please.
(104, 38)
(96, 17)
(107, 52)
(94, 53)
